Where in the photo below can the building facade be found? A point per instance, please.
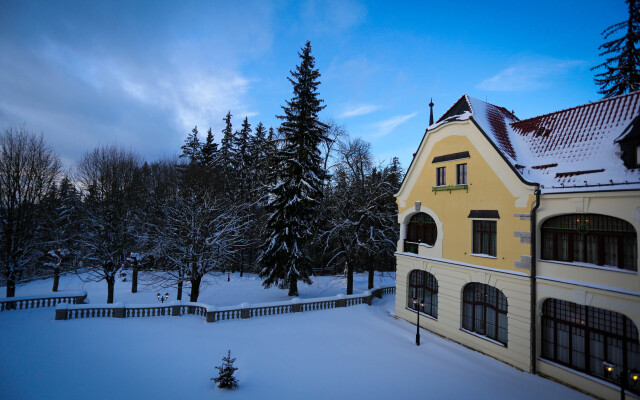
(519, 239)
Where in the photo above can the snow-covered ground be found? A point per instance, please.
(215, 291)
(359, 352)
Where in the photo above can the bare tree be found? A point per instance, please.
(28, 170)
(200, 232)
(108, 176)
(360, 228)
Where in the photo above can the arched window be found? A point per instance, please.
(583, 338)
(590, 238)
(484, 311)
(424, 287)
(422, 229)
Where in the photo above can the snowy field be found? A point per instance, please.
(215, 290)
(358, 352)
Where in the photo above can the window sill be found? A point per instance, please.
(483, 255)
(488, 339)
(422, 314)
(592, 266)
(584, 375)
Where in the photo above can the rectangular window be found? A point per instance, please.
(484, 237)
(638, 156)
(461, 174)
(441, 176)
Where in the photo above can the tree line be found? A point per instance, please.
(285, 203)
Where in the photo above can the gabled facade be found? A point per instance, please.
(519, 238)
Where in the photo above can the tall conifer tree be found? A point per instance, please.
(209, 150)
(621, 69)
(297, 192)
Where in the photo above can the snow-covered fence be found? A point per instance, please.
(45, 300)
(214, 314)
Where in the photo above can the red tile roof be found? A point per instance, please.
(575, 147)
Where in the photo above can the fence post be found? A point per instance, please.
(211, 316)
(175, 310)
(245, 313)
(61, 313)
(341, 303)
(119, 312)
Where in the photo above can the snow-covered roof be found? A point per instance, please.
(575, 149)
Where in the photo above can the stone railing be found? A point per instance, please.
(44, 300)
(214, 314)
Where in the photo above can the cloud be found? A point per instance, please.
(362, 109)
(387, 126)
(528, 75)
(83, 82)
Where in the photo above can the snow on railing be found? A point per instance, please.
(214, 314)
(41, 300)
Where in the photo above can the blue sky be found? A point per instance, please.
(142, 74)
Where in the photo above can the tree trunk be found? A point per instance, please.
(371, 273)
(134, 280)
(110, 286)
(56, 279)
(195, 289)
(293, 286)
(11, 286)
(349, 277)
(179, 297)
(241, 263)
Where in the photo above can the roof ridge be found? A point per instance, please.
(593, 103)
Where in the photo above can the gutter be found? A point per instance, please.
(534, 341)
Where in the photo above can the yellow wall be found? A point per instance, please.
(488, 190)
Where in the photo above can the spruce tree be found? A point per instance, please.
(225, 379)
(191, 147)
(621, 73)
(297, 192)
(208, 150)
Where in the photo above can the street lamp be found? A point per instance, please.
(633, 375)
(417, 304)
(162, 298)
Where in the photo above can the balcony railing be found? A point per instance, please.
(410, 247)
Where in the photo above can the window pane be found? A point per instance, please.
(479, 319)
(547, 245)
(630, 249)
(578, 245)
(547, 339)
(563, 246)
(502, 327)
(563, 343)
(467, 320)
(611, 251)
(592, 249)
(491, 323)
(577, 348)
(596, 348)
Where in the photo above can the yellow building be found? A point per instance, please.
(520, 239)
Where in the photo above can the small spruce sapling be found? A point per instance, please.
(225, 379)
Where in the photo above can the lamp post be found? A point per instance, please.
(417, 304)
(162, 298)
(633, 375)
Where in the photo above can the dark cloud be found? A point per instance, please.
(137, 73)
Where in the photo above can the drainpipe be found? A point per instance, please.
(533, 282)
